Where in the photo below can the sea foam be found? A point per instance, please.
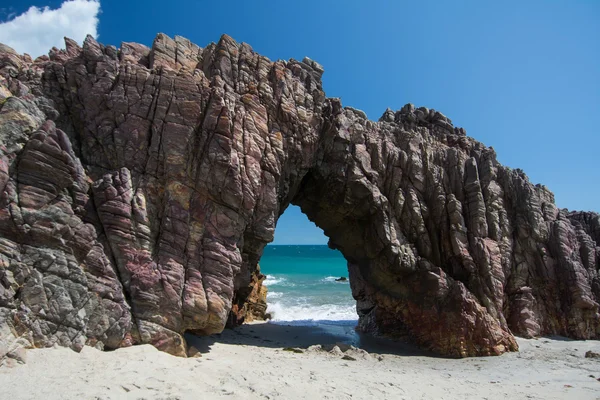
(312, 312)
(272, 280)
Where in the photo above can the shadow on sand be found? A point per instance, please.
(283, 334)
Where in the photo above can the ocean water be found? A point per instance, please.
(302, 287)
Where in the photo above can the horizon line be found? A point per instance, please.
(296, 244)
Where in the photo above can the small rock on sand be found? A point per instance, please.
(293, 349)
(193, 352)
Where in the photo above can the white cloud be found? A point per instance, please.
(39, 29)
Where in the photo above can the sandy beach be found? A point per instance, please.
(251, 362)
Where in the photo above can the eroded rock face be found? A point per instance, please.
(139, 186)
(250, 302)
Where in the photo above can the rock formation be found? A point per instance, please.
(249, 303)
(139, 186)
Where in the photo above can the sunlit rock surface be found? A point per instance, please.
(139, 186)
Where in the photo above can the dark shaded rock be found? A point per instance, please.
(139, 186)
(341, 279)
(293, 350)
(591, 354)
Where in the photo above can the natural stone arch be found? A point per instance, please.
(375, 200)
(173, 163)
(358, 169)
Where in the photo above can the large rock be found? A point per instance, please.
(139, 186)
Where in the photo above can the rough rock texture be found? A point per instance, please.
(250, 303)
(139, 186)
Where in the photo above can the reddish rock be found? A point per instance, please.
(139, 186)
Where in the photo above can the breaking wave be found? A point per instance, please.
(272, 280)
(311, 312)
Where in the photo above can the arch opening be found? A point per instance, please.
(307, 281)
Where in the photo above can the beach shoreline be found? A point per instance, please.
(258, 361)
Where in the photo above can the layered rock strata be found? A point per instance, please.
(139, 186)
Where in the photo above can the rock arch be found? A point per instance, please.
(171, 164)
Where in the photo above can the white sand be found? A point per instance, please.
(249, 363)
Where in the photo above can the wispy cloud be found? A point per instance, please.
(37, 30)
(6, 14)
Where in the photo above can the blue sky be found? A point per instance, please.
(521, 76)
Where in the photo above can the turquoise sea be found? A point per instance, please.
(302, 287)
